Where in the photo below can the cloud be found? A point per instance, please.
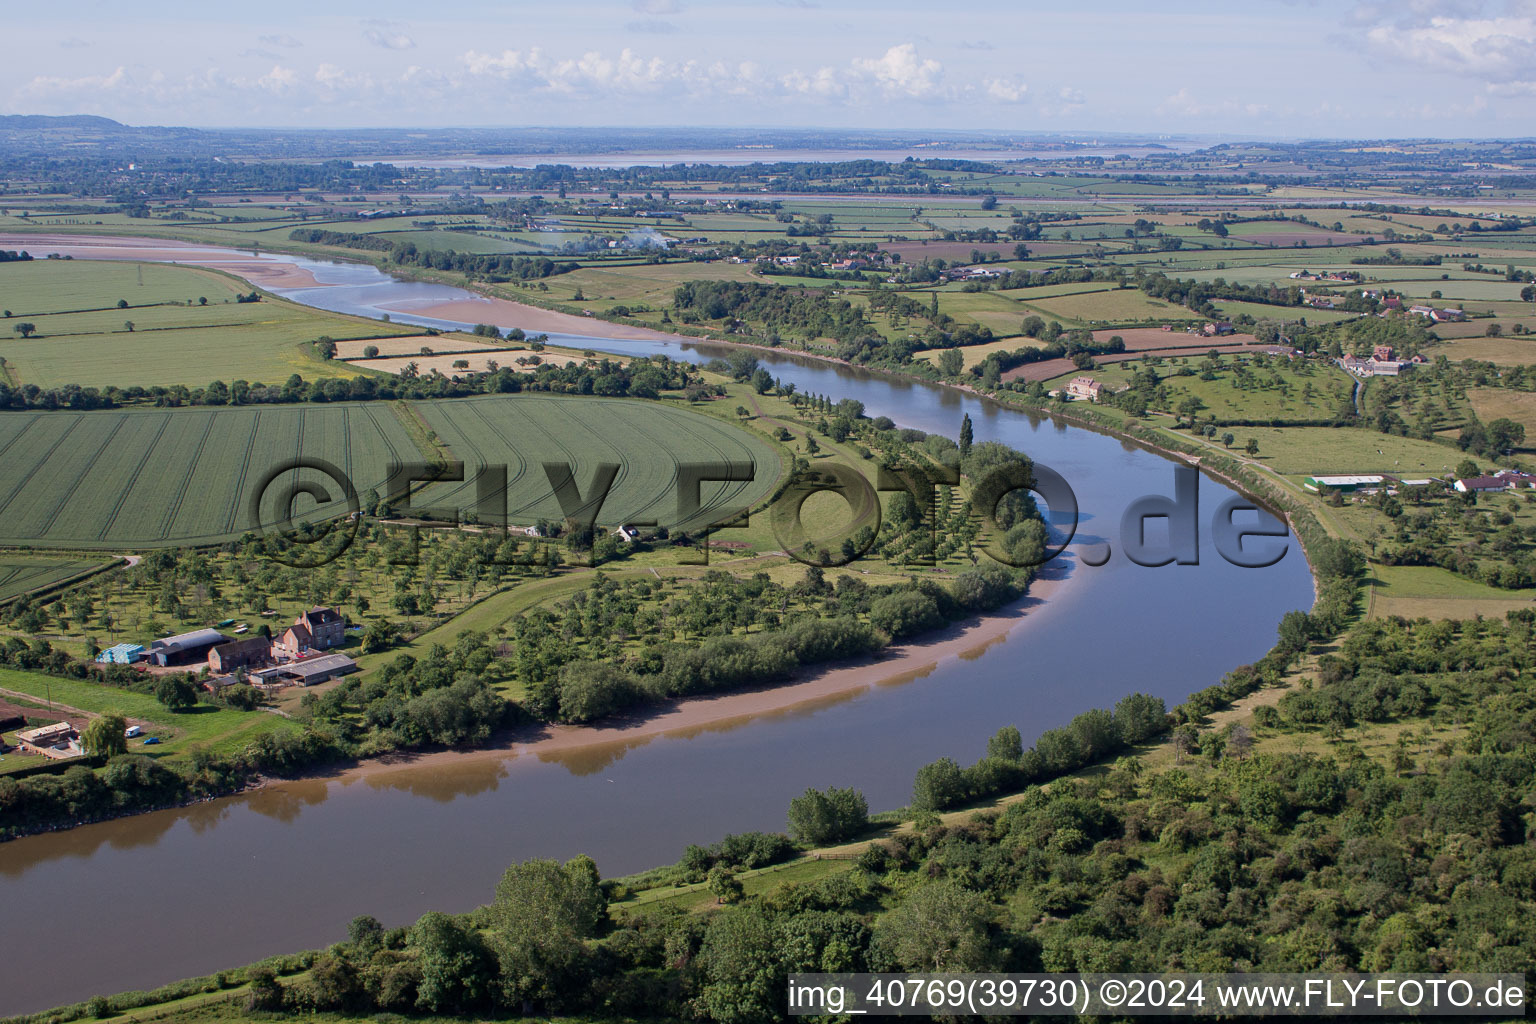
(282, 39)
(655, 26)
(72, 43)
(388, 35)
(263, 54)
(899, 73)
(1008, 90)
(1185, 104)
(1491, 44)
(657, 6)
(279, 80)
(977, 44)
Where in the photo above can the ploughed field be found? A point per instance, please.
(160, 477)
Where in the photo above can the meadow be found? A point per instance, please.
(218, 729)
(83, 337)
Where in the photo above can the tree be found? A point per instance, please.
(967, 436)
(128, 326)
(326, 348)
(457, 970)
(762, 381)
(542, 912)
(833, 816)
(951, 362)
(106, 735)
(176, 692)
(938, 785)
(26, 330)
(370, 351)
(1228, 439)
(939, 928)
(811, 447)
(1006, 744)
(122, 303)
(1252, 447)
(724, 884)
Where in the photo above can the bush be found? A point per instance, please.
(833, 816)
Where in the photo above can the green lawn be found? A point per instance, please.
(222, 730)
(1307, 451)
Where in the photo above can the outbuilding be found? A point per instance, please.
(313, 671)
(185, 648)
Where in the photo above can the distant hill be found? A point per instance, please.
(36, 122)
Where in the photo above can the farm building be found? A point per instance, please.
(1085, 388)
(56, 741)
(1482, 484)
(1347, 484)
(312, 671)
(252, 652)
(121, 654)
(327, 628)
(185, 648)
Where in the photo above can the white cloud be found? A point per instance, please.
(1185, 104)
(900, 72)
(73, 43)
(655, 26)
(280, 39)
(1471, 39)
(279, 80)
(388, 35)
(1008, 90)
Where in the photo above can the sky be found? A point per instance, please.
(1267, 68)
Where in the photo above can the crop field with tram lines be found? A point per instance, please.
(148, 477)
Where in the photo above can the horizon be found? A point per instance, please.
(1282, 69)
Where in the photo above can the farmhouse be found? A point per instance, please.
(1481, 484)
(326, 626)
(1424, 311)
(313, 671)
(318, 629)
(1214, 329)
(1347, 484)
(120, 654)
(57, 741)
(184, 648)
(1446, 315)
(1374, 367)
(252, 652)
(1516, 478)
(627, 534)
(1382, 352)
(1085, 389)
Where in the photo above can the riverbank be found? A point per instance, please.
(892, 666)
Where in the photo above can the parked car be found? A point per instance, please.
(133, 730)
(151, 741)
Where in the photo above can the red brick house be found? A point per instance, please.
(252, 652)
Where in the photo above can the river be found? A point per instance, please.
(141, 901)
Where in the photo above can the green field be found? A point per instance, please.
(82, 335)
(152, 477)
(646, 440)
(1307, 451)
(222, 730)
(22, 574)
